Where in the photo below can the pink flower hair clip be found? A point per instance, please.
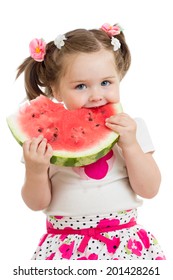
(37, 48)
(112, 30)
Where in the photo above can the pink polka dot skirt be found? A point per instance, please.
(115, 236)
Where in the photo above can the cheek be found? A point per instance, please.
(117, 92)
(117, 95)
(114, 96)
(71, 103)
(77, 101)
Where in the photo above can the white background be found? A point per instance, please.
(146, 92)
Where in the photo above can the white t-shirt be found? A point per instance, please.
(102, 187)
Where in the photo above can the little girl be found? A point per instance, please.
(91, 210)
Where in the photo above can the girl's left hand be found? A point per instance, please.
(125, 126)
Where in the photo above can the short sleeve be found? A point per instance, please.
(22, 160)
(143, 136)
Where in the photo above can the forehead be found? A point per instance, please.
(81, 64)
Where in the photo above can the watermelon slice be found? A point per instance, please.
(78, 137)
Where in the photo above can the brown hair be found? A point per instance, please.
(40, 76)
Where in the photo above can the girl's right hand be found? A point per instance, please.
(37, 153)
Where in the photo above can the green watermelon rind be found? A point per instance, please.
(14, 128)
(64, 158)
(83, 160)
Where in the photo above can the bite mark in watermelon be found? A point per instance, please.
(78, 137)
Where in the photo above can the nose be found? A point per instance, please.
(95, 96)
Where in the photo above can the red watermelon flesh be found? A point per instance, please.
(78, 137)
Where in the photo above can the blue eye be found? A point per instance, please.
(105, 83)
(81, 86)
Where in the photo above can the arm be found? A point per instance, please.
(143, 172)
(36, 191)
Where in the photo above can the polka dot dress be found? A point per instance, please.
(128, 242)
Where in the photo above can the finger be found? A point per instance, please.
(120, 119)
(26, 145)
(114, 127)
(115, 121)
(35, 142)
(49, 150)
(42, 147)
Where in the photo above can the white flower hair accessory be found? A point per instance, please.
(59, 41)
(116, 43)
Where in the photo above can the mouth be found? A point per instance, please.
(96, 105)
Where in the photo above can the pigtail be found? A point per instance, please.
(123, 56)
(32, 72)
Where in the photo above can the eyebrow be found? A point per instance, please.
(78, 82)
(84, 81)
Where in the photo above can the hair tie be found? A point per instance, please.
(59, 41)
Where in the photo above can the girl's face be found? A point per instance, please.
(90, 80)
